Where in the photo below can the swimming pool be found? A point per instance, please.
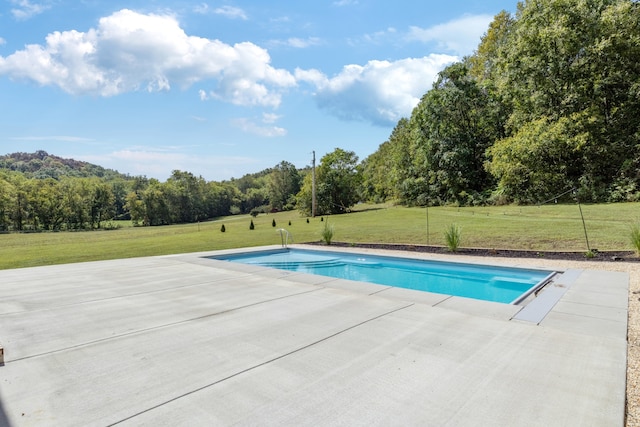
(491, 283)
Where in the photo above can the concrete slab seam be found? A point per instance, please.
(166, 325)
(266, 362)
(121, 296)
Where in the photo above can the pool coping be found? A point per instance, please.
(534, 310)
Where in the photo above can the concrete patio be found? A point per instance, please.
(186, 340)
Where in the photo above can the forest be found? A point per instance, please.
(549, 102)
(547, 107)
(39, 192)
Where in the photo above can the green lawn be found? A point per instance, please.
(550, 227)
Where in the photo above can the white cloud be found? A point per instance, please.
(2, 41)
(129, 51)
(280, 20)
(25, 9)
(460, 36)
(297, 42)
(202, 9)
(226, 11)
(380, 36)
(159, 162)
(231, 12)
(267, 129)
(270, 117)
(381, 92)
(345, 2)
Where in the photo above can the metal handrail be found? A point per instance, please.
(284, 237)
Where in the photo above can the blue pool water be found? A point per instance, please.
(490, 283)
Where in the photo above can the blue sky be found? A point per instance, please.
(220, 88)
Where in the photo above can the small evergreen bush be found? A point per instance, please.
(223, 229)
(273, 222)
(251, 226)
(452, 237)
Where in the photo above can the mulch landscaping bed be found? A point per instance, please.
(604, 256)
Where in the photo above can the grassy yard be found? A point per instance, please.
(549, 227)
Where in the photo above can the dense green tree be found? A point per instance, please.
(573, 61)
(102, 204)
(7, 195)
(454, 124)
(536, 163)
(483, 63)
(304, 198)
(157, 207)
(135, 206)
(384, 172)
(185, 197)
(77, 199)
(220, 198)
(337, 184)
(46, 203)
(282, 185)
(119, 188)
(256, 198)
(19, 212)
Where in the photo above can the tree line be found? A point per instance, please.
(549, 102)
(69, 202)
(42, 192)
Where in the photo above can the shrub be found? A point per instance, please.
(273, 222)
(452, 237)
(327, 233)
(223, 229)
(635, 238)
(307, 220)
(251, 226)
(110, 225)
(254, 212)
(289, 223)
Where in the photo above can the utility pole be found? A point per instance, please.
(313, 186)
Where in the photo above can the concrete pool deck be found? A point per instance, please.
(184, 339)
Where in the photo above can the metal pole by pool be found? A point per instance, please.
(427, 209)
(313, 186)
(584, 226)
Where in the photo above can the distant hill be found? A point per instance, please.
(44, 165)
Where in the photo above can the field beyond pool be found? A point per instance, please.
(544, 228)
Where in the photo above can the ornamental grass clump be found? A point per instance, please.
(452, 237)
(635, 238)
(327, 233)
